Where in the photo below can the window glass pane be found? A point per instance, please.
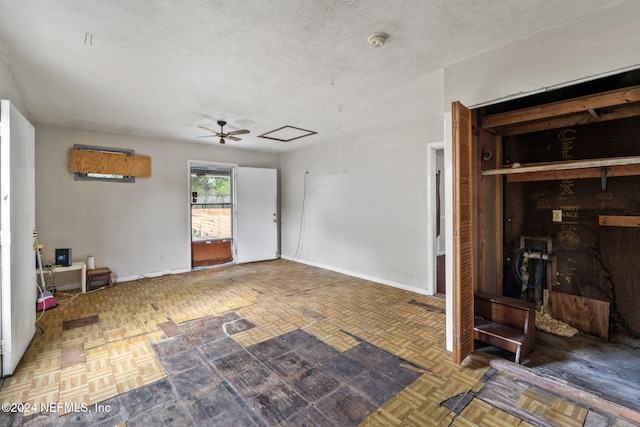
(210, 223)
(210, 204)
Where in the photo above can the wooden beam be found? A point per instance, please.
(563, 108)
(91, 161)
(566, 165)
(619, 221)
(577, 119)
(499, 220)
(595, 172)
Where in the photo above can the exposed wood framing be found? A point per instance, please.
(499, 220)
(570, 121)
(619, 221)
(90, 161)
(481, 242)
(610, 105)
(563, 108)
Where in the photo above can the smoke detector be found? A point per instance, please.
(377, 39)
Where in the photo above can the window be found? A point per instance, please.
(210, 203)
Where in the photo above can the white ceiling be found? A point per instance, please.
(161, 68)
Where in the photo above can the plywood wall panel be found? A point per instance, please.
(588, 315)
(89, 161)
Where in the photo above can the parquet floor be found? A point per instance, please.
(107, 346)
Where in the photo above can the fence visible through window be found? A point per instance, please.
(210, 223)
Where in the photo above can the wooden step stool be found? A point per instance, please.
(98, 274)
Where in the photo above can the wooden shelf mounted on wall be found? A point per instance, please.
(615, 166)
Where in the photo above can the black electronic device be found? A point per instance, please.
(63, 257)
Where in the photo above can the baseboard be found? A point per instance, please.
(149, 275)
(67, 287)
(391, 283)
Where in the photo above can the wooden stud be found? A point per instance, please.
(571, 106)
(499, 220)
(569, 121)
(619, 221)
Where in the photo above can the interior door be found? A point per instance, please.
(17, 223)
(257, 214)
(463, 254)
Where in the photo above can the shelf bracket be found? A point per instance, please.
(603, 178)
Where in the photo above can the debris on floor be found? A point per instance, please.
(546, 323)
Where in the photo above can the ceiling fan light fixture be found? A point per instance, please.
(222, 134)
(377, 39)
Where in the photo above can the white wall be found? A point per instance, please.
(366, 205)
(135, 229)
(600, 44)
(8, 86)
(603, 42)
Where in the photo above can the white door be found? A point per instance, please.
(17, 223)
(257, 214)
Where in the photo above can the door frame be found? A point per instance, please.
(432, 249)
(204, 163)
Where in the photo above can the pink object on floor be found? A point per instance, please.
(49, 302)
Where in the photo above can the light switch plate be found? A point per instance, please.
(557, 215)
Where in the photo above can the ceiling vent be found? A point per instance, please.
(287, 133)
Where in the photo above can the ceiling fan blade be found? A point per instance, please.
(238, 132)
(233, 138)
(206, 136)
(215, 132)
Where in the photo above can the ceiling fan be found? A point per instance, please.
(222, 134)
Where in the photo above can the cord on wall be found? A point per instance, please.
(304, 208)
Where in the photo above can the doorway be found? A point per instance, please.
(436, 215)
(560, 165)
(211, 215)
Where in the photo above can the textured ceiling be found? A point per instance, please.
(161, 68)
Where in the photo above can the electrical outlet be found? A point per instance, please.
(557, 215)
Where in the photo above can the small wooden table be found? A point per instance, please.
(77, 266)
(102, 273)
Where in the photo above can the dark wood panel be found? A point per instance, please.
(463, 240)
(588, 315)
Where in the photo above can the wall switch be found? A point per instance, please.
(557, 215)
